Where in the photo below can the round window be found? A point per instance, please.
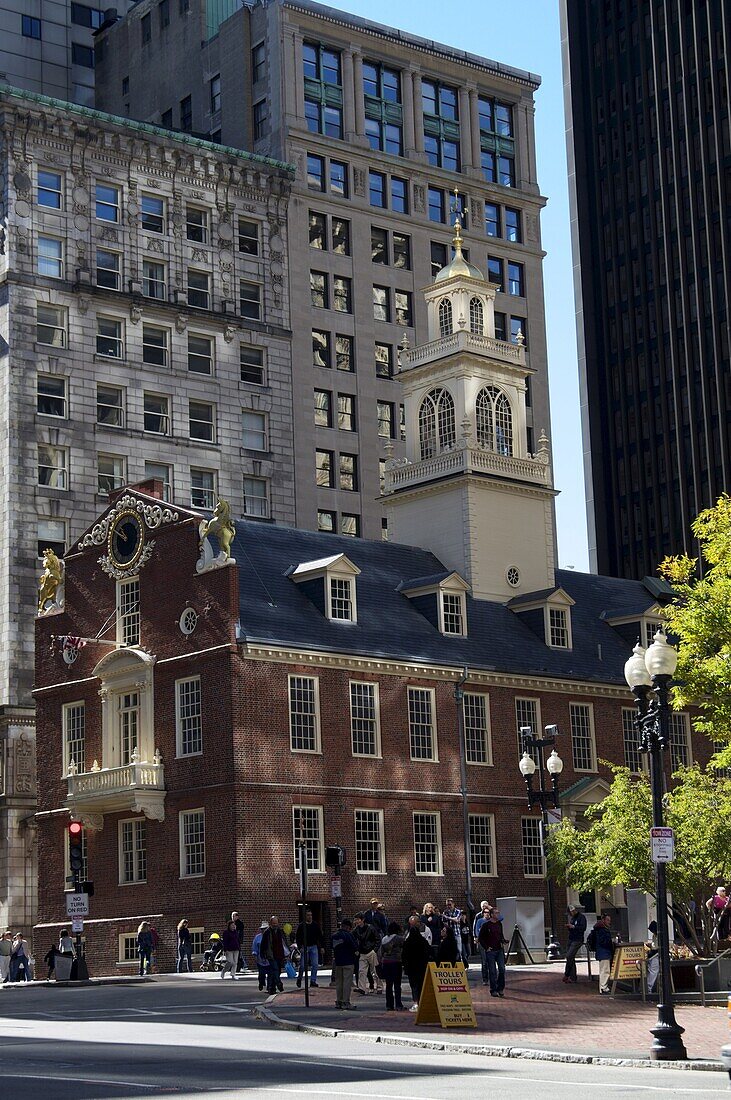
(188, 620)
(512, 574)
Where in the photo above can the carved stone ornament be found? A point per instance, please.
(95, 822)
(419, 198)
(221, 526)
(153, 515)
(109, 234)
(359, 181)
(228, 333)
(181, 322)
(154, 245)
(135, 313)
(151, 807)
(83, 306)
(118, 574)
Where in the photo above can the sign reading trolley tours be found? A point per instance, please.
(445, 997)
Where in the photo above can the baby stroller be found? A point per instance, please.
(213, 956)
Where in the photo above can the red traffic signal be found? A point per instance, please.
(75, 829)
(76, 840)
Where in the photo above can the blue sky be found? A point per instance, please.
(525, 33)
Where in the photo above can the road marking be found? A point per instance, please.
(605, 1084)
(87, 1081)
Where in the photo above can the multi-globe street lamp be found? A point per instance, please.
(649, 673)
(528, 768)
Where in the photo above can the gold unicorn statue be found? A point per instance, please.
(221, 525)
(50, 579)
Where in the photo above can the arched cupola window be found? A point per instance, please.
(494, 421)
(445, 317)
(477, 317)
(437, 430)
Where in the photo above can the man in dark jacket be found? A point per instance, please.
(344, 951)
(376, 915)
(274, 949)
(491, 939)
(603, 949)
(577, 927)
(241, 965)
(368, 938)
(415, 956)
(314, 945)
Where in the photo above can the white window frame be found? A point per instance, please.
(535, 700)
(118, 478)
(64, 397)
(211, 358)
(47, 189)
(434, 758)
(537, 820)
(63, 328)
(263, 443)
(61, 471)
(118, 339)
(320, 814)
(650, 628)
(566, 612)
(628, 726)
(317, 750)
(381, 840)
(135, 822)
(115, 206)
(58, 260)
(493, 872)
(203, 226)
(183, 814)
(122, 618)
(684, 718)
(123, 939)
(199, 934)
(198, 489)
(462, 612)
(66, 710)
(592, 735)
(179, 753)
(116, 272)
(199, 420)
(250, 498)
(436, 814)
(377, 715)
(343, 579)
(488, 762)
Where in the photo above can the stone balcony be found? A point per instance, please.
(468, 459)
(138, 787)
(462, 341)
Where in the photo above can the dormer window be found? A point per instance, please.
(547, 614)
(453, 617)
(342, 599)
(445, 317)
(330, 584)
(559, 636)
(437, 429)
(477, 317)
(441, 600)
(494, 421)
(651, 627)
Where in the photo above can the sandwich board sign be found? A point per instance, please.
(445, 997)
(628, 961)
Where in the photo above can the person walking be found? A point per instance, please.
(377, 915)
(368, 939)
(260, 962)
(241, 964)
(577, 927)
(230, 940)
(344, 949)
(415, 957)
(274, 949)
(50, 959)
(433, 921)
(185, 949)
(392, 966)
(20, 959)
(6, 950)
(653, 956)
(144, 947)
(491, 939)
(64, 956)
(603, 948)
(448, 950)
(465, 939)
(315, 943)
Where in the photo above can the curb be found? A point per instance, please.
(268, 1016)
(113, 980)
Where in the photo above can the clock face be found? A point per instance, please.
(125, 540)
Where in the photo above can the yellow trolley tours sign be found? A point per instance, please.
(628, 961)
(445, 997)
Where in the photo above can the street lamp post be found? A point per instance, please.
(649, 673)
(528, 768)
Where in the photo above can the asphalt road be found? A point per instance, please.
(185, 1038)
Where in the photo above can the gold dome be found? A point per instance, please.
(458, 265)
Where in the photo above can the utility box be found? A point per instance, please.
(529, 916)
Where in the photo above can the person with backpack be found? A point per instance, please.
(599, 941)
(368, 939)
(391, 950)
(577, 927)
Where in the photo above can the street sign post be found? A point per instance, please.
(662, 841)
(336, 886)
(77, 905)
(77, 925)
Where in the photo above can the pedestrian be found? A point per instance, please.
(241, 964)
(600, 942)
(465, 939)
(260, 962)
(185, 948)
(368, 939)
(653, 956)
(577, 927)
(392, 966)
(6, 950)
(448, 950)
(212, 952)
(50, 959)
(155, 944)
(491, 939)
(480, 919)
(451, 914)
(432, 920)
(144, 947)
(230, 940)
(415, 956)
(315, 943)
(275, 950)
(64, 956)
(20, 960)
(344, 949)
(377, 915)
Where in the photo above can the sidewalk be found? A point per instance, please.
(538, 1014)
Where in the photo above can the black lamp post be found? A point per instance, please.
(554, 766)
(649, 674)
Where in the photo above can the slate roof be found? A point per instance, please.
(274, 610)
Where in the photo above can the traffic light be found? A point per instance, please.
(334, 855)
(76, 854)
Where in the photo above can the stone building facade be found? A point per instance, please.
(382, 127)
(126, 349)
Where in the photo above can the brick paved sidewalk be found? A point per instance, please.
(538, 1012)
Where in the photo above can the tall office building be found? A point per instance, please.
(381, 127)
(47, 46)
(646, 85)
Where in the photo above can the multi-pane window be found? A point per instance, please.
(340, 235)
(50, 189)
(344, 355)
(215, 91)
(320, 348)
(527, 715)
(441, 125)
(318, 289)
(494, 422)
(349, 525)
(436, 205)
(632, 754)
(53, 466)
(196, 224)
(679, 741)
(188, 717)
(324, 472)
(152, 213)
(386, 419)
(186, 114)
(384, 360)
(256, 497)
(342, 294)
(304, 714)
(251, 363)
(201, 421)
(128, 725)
(326, 521)
(422, 731)
(307, 829)
(159, 471)
(492, 219)
(379, 245)
(202, 489)
(110, 406)
(364, 720)
(513, 230)
(346, 412)
(381, 304)
(107, 199)
(401, 245)
(51, 325)
(402, 308)
(192, 843)
(315, 172)
(323, 409)
(156, 409)
(153, 280)
(51, 395)
(110, 473)
(250, 300)
(650, 630)
(497, 143)
(254, 430)
(258, 62)
(52, 535)
(348, 473)
(482, 844)
(323, 90)
(383, 121)
(377, 189)
(478, 748)
(50, 257)
(318, 230)
(108, 269)
(495, 271)
(558, 628)
(132, 851)
(369, 841)
(200, 354)
(516, 279)
(199, 292)
(427, 844)
(74, 736)
(399, 195)
(30, 27)
(154, 345)
(437, 425)
(453, 613)
(109, 338)
(582, 737)
(533, 863)
(341, 599)
(339, 178)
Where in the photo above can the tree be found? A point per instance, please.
(615, 848)
(700, 620)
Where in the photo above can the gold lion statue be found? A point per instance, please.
(221, 525)
(50, 579)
